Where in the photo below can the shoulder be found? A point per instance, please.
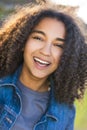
(65, 115)
(70, 109)
(5, 87)
(4, 80)
(67, 110)
(12, 78)
(68, 113)
(71, 112)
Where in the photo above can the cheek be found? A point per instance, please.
(32, 46)
(29, 48)
(57, 56)
(56, 61)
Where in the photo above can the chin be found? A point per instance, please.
(40, 76)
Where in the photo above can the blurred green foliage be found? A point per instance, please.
(4, 12)
(81, 114)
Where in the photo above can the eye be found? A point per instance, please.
(37, 38)
(59, 45)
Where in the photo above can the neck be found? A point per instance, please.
(40, 85)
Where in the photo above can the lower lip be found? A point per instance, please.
(39, 66)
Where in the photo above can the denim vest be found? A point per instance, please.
(57, 117)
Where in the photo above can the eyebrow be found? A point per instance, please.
(38, 31)
(41, 32)
(61, 39)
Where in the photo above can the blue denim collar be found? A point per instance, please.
(52, 111)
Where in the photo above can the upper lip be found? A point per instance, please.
(42, 60)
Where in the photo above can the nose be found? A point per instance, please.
(46, 49)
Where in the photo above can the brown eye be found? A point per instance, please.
(60, 45)
(37, 38)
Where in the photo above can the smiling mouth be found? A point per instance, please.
(41, 62)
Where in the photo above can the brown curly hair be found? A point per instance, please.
(70, 78)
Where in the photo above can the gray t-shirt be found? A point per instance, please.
(34, 104)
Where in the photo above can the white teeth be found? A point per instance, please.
(40, 61)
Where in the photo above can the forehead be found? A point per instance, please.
(51, 26)
(50, 20)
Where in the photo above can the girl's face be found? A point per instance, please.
(43, 49)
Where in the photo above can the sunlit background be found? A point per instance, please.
(81, 3)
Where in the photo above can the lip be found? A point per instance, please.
(39, 65)
(42, 60)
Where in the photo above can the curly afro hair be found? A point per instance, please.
(70, 78)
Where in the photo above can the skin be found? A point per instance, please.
(42, 53)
